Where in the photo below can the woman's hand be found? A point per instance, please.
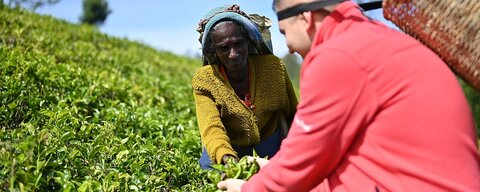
(226, 158)
(261, 161)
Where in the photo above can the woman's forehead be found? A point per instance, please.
(228, 28)
(222, 25)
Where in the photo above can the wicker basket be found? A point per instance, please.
(451, 28)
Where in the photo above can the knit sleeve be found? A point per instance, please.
(212, 131)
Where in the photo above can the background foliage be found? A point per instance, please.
(31, 4)
(95, 12)
(473, 98)
(292, 63)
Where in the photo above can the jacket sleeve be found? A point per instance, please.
(213, 133)
(334, 107)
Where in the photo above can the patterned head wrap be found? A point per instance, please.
(251, 28)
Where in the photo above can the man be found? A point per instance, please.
(378, 110)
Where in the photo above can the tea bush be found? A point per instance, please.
(82, 111)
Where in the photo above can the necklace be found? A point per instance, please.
(242, 88)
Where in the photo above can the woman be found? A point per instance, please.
(243, 93)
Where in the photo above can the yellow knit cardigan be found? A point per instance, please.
(223, 119)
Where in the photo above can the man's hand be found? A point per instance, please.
(231, 185)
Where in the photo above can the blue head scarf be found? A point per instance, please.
(230, 13)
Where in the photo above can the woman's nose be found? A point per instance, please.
(232, 54)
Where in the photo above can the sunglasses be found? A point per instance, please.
(304, 7)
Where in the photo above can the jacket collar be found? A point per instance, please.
(338, 21)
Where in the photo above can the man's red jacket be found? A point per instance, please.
(378, 111)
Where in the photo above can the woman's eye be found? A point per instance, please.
(222, 48)
(239, 43)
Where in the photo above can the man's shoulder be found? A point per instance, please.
(369, 38)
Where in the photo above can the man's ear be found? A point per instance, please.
(309, 21)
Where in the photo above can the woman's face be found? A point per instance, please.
(231, 45)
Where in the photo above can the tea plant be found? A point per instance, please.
(243, 169)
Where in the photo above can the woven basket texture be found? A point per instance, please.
(451, 28)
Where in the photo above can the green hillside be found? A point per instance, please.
(80, 110)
